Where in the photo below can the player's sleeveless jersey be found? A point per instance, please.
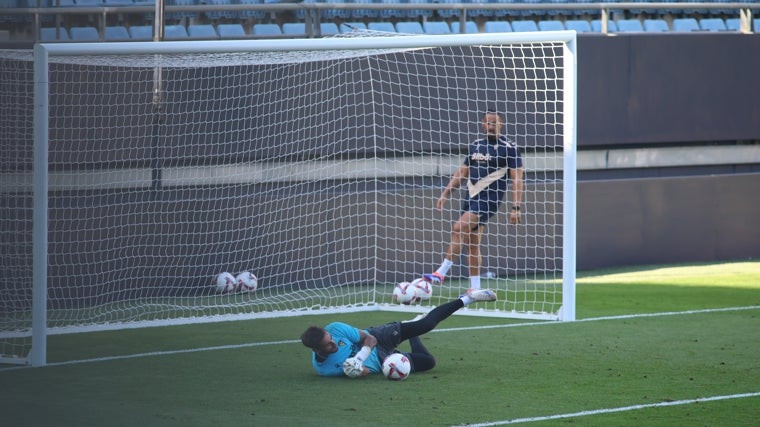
(347, 339)
(486, 158)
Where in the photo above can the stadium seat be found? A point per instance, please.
(118, 2)
(596, 26)
(230, 31)
(365, 13)
(416, 13)
(328, 28)
(685, 24)
(712, 24)
(448, 13)
(255, 14)
(381, 26)
(294, 28)
(733, 24)
(116, 32)
(470, 27)
(84, 34)
(497, 27)
(531, 12)
(391, 13)
(629, 26)
(579, 25)
(523, 26)
(756, 25)
(266, 30)
(412, 27)
(655, 25)
(219, 14)
(504, 12)
(202, 31)
(88, 2)
(180, 15)
(550, 25)
(174, 32)
(49, 34)
(347, 27)
(141, 32)
(435, 27)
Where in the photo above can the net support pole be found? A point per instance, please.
(37, 356)
(567, 313)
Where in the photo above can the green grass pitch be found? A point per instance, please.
(653, 346)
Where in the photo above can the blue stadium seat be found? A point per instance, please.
(255, 14)
(449, 13)
(141, 32)
(412, 27)
(202, 31)
(266, 30)
(174, 32)
(596, 26)
(504, 12)
(435, 27)
(88, 2)
(655, 26)
(180, 15)
(733, 24)
(629, 26)
(381, 26)
(119, 2)
(365, 13)
(328, 28)
(532, 12)
(685, 24)
(84, 34)
(49, 34)
(116, 32)
(391, 13)
(230, 31)
(416, 13)
(550, 25)
(219, 14)
(579, 25)
(756, 25)
(712, 24)
(470, 27)
(294, 28)
(524, 25)
(347, 27)
(497, 27)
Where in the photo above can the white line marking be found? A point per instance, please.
(612, 410)
(259, 344)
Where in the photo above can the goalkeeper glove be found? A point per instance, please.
(353, 367)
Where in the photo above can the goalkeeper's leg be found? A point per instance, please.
(421, 358)
(430, 321)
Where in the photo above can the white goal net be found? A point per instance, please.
(314, 164)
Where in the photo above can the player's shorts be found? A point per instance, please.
(388, 338)
(484, 207)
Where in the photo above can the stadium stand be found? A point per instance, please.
(347, 27)
(629, 25)
(230, 30)
(596, 26)
(174, 32)
(252, 14)
(381, 26)
(202, 31)
(294, 28)
(266, 30)
(524, 25)
(49, 34)
(712, 24)
(141, 32)
(328, 28)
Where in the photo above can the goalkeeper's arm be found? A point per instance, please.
(354, 366)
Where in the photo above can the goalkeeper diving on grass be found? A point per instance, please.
(341, 349)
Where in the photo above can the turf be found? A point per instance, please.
(646, 336)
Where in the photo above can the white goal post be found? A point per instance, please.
(313, 163)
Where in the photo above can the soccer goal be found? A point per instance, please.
(314, 164)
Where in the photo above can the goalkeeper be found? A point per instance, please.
(341, 349)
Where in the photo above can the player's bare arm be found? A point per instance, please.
(459, 177)
(515, 212)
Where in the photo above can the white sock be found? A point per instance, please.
(466, 299)
(445, 267)
(475, 282)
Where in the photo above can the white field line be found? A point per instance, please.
(612, 410)
(260, 344)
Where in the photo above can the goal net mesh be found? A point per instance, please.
(317, 171)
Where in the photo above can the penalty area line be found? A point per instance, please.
(613, 410)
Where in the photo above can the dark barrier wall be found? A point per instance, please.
(644, 89)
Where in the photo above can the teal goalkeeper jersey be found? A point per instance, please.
(348, 340)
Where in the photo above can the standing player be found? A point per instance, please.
(485, 170)
(341, 349)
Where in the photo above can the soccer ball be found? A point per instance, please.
(247, 281)
(422, 289)
(404, 293)
(225, 282)
(396, 367)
